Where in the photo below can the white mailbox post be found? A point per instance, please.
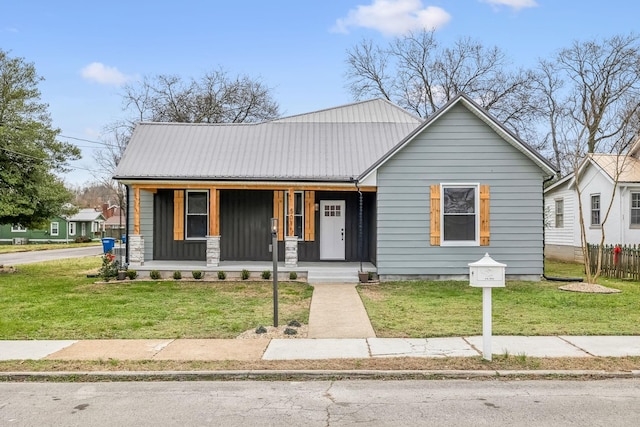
(486, 273)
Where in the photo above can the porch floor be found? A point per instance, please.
(314, 272)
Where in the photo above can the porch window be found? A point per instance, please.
(17, 228)
(55, 229)
(559, 213)
(298, 213)
(72, 229)
(595, 209)
(460, 214)
(635, 210)
(197, 214)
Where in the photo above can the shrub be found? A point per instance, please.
(109, 268)
(294, 324)
(370, 276)
(177, 275)
(222, 275)
(261, 330)
(293, 275)
(197, 274)
(244, 275)
(132, 274)
(266, 275)
(290, 331)
(155, 274)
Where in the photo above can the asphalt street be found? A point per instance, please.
(17, 258)
(611, 402)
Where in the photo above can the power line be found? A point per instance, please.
(82, 139)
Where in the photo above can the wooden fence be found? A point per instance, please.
(622, 263)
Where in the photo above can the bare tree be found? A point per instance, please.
(602, 88)
(416, 73)
(592, 101)
(214, 98)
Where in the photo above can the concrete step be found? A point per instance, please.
(332, 276)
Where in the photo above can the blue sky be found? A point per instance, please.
(87, 50)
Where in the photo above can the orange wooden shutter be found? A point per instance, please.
(435, 215)
(484, 215)
(178, 215)
(309, 216)
(278, 209)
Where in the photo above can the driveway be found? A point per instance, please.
(18, 258)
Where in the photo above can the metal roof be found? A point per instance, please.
(625, 168)
(329, 145)
(88, 214)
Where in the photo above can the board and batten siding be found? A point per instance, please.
(458, 148)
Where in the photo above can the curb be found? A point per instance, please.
(309, 375)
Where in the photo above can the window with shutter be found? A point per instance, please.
(459, 215)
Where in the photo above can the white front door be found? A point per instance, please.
(332, 213)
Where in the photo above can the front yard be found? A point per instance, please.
(55, 300)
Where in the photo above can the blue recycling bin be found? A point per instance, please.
(108, 243)
(123, 238)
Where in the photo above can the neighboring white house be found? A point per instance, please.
(597, 180)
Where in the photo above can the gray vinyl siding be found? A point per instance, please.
(458, 148)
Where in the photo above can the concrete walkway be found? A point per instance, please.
(338, 312)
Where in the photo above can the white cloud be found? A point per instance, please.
(393, 17)
(100, 73)
(514, 4)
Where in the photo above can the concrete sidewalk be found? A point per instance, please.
(317, 349)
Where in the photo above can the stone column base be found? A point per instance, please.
(291, 251)
(213, 251)
(136, 250)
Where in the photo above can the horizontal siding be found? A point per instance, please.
(458, 148)
(565, 235)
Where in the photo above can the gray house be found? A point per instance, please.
(365, 181)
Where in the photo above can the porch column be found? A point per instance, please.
(136, 250)
(291, 251)
(291, 240)
(213, 251)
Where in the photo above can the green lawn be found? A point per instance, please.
(432, 309)
(55, 300)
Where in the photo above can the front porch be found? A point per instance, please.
(312, 272)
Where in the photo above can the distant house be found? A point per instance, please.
(86, 224)
(115, 226)
(362, 182)
(598, 174)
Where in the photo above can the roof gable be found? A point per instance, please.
(474, 108)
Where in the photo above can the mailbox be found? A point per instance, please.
(486, 273)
